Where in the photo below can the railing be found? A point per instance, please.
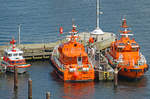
(142, 60)
(131, 62)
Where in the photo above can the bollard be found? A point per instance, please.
(48, 95)
(115, 77)
(15, 78)
(29, 89)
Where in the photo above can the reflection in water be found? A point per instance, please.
(7, 88)
(127, 86)
(43, 82)
(15, 96)
(136, 83)
(84, 90)
(75, 90)
(132, 89)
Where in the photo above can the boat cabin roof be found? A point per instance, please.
(72, 49)
(13, 54)
(11, 51)
(123, 43)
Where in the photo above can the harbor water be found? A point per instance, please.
(40, 20)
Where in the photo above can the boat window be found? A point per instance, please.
(20, 54)
(133, 44)
(119, 49)
(79, 61)
(79, 58)
(12, 62)
(17, 61)
(121, 44)
(9, 55)
(15, 55)
(134, 49)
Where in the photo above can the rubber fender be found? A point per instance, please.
(125, 69)
(147, 67)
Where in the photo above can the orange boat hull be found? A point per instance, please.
(131, 75)
(73, 76)
(129, 72)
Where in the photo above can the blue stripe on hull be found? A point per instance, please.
(19, 70)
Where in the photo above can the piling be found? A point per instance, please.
(48, 95)
(115, 77)
(29, 89)
(15, 78)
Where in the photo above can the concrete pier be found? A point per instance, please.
(44, 50)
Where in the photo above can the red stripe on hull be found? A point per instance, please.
(21, 66)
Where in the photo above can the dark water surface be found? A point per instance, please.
(44, 80)
(40, 20)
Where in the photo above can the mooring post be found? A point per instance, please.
(48, 95)
(15, 78)
(115, 77)
(29, 89)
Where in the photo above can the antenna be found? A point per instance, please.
(98, 13)
(73, 21)
(19, 26)
(97, 30)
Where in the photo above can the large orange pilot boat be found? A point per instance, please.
(70, 60)
(125, 54)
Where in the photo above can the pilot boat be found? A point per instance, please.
(13, 57)
(70, 61)
(124, 53)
